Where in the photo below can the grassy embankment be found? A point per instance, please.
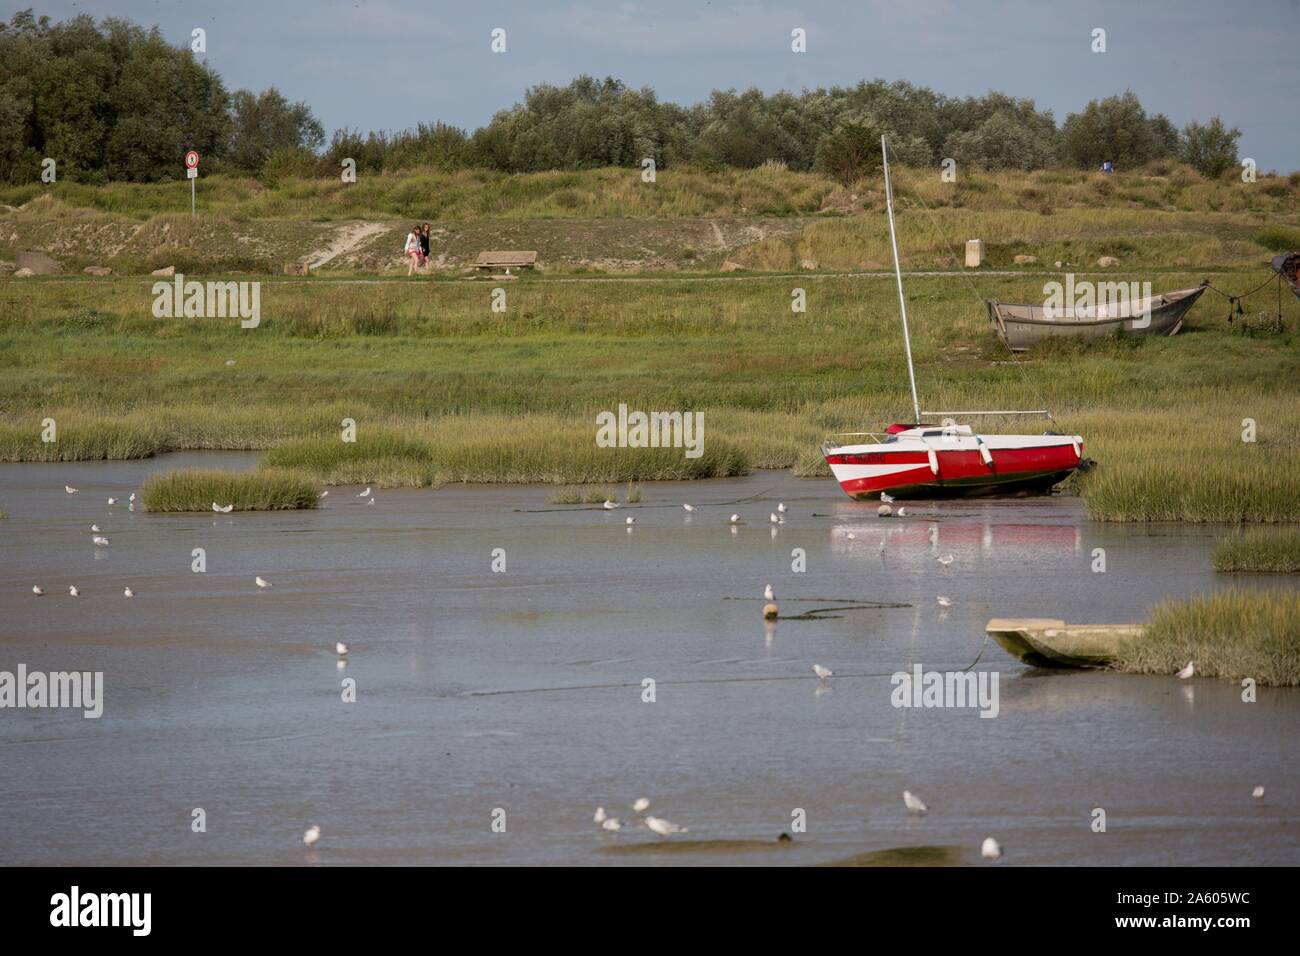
(1232, 634)
(1274, 551)
(197, 489)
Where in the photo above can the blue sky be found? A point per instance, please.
(382, 64)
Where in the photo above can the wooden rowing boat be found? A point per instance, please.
(1020, 327)
(1049, 642)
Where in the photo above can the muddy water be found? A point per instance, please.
(522, 691)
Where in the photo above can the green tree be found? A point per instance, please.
(1210, 149)
(850, 152)
(266, 122)
(1115, 129)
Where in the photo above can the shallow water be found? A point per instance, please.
(522, 690)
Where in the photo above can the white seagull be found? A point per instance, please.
(641, 804)
(735, 518)
(95, 528)
(944, 601)
(946, 560)
(823, 672)
(132, 498)
(127, 592)
(324, 493)
(902, 512)
(262, 582)
(769, 593)
(631, 520)
(72, 591)
(1187, 672)
(223, 509)
(612, 825)
(689, 507)
(663, 827)
(112, 501)
(990, 849)
(1258, 793)
(100, 541)
(341, 649)
(886, 498)
(780, 507)
(69, 489)
(599, 816)
(311, 835)
(37, 590)
(914, 803)
(609, 505)
(365, 493)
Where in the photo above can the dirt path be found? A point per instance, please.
(345, 241)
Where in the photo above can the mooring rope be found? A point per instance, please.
(1234, 301)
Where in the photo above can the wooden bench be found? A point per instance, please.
(519, 259)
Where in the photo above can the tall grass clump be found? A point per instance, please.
(197, 489)
(1233, 633)
(387, 458)
(1268, 551)
(103, 440)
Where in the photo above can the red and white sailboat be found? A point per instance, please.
(943, 458)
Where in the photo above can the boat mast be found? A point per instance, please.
(898, 274)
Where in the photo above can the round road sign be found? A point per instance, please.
(192, 160)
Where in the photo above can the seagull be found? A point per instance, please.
(609, 505)
(884, 511)
(230, 361)
(990, 849)
(1187, 671)
(262, 582)
(944, 601)
(95, 528)
(735, 518)
(364, 493)
(663, 827)
(599, 816)
(849, 535)
(914, 803)
(132, 498)
(689, 507)
(311, 836)
(72, 591)
(902, 512)
(127, 592)
(100, 541)
(780, 507)
(37, 590)
(612, 825)
(946, 560)
(69, 489)
(112, 501)
(323, 493)
(769, 593)
(223, 509)
(823, 672)
(641, 805)
(886, 498)
(1258, 793)
(631, 520)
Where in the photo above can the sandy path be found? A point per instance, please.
(346, 240)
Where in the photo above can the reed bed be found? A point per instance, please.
(1276, 552)
(197, 489)
(1234, 633)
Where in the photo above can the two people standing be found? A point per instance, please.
(416, 249)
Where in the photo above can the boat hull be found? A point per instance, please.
(1021, 327)
(966, 467)
(1049, 642)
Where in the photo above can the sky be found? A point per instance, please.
(382, 64)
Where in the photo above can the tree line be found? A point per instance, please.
(110, 100)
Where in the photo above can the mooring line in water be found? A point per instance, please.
(713, 504)
(864, 602)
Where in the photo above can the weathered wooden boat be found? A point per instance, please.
(1287, 266)
(1049, 642)
(944, 457)
(1021, 327)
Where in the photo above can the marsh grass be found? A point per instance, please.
(196, 489)
(1275, 551)
(1234, 633)
(583, 495)
(88, 439)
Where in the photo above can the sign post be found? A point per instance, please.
(192, 172)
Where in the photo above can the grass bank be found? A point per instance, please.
(1234, 633)
(1268, 551)
(197, 489)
